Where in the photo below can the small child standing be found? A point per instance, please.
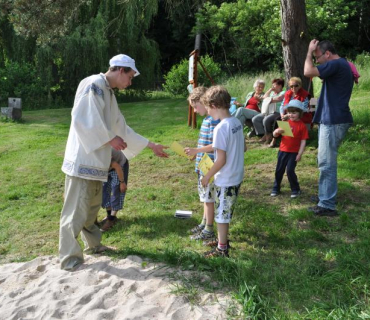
(203, 231)
(114, 190)
(291, 149)
(228, 168)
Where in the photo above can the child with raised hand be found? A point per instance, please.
(291, 149)
(228, 168)
(203, 231)
(114, 190)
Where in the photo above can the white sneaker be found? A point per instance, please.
(295, 194)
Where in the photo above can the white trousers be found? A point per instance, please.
(82, 201)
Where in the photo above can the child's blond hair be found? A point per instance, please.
(216, 97)
(196, 94)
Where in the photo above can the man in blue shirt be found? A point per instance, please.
(333, 116)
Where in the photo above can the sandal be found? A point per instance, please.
(216, 252)
(197, 229)
(273, 143)
(214, 243)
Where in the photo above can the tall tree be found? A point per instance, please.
(294, 38)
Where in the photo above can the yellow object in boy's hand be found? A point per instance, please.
(205, 164)
(178, 148)
(286, 127)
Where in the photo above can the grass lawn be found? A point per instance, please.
(285, 263)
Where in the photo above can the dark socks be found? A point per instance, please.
(109, 215)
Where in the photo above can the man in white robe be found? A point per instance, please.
(97, 126)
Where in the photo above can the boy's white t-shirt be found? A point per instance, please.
(228, 136)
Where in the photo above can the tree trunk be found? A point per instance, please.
(294, 38)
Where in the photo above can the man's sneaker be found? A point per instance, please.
(204, 235)
(274, 193)
(295, 194)
(321, 211)
(197, 229)
(251, 134)
(108, 224)
(216, 252)
(314, 199)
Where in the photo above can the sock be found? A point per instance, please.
(109, 212)
(209, 228)
(222, 246)
(203, 223)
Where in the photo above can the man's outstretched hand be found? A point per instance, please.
(158, 149)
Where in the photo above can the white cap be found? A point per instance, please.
(121, 60)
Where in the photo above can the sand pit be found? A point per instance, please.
(100, 289)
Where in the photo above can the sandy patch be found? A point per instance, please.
(100, 289)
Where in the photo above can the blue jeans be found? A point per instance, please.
(330, 138)
(286, 161)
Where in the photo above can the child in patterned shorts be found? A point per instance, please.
(114, 190)
(203, 231)
(228, 168)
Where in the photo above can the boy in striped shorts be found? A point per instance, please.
(203, 231)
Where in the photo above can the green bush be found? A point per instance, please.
(134, 95)
(177, 78)
(22, 81)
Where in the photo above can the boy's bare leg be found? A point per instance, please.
(223, 230)
(209, 212)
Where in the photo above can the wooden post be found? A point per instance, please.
(195, 77)
(192, 116)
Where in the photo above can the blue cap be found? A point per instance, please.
(295, 104)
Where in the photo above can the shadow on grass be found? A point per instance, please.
(294, 260)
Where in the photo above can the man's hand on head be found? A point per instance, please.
(313, 45)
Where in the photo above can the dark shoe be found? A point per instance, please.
(295, 194)
(216, 252)
(109, 223)
(314, 199)
(274, 193)
(321, 211)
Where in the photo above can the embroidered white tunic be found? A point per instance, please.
(96, 119)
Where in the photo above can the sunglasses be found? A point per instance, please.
(316, 58)
(294, 86)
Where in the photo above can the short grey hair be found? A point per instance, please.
(258, 82)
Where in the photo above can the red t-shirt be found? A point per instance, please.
(292, 144)
(253, 104)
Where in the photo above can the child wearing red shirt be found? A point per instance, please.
(291, 149)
